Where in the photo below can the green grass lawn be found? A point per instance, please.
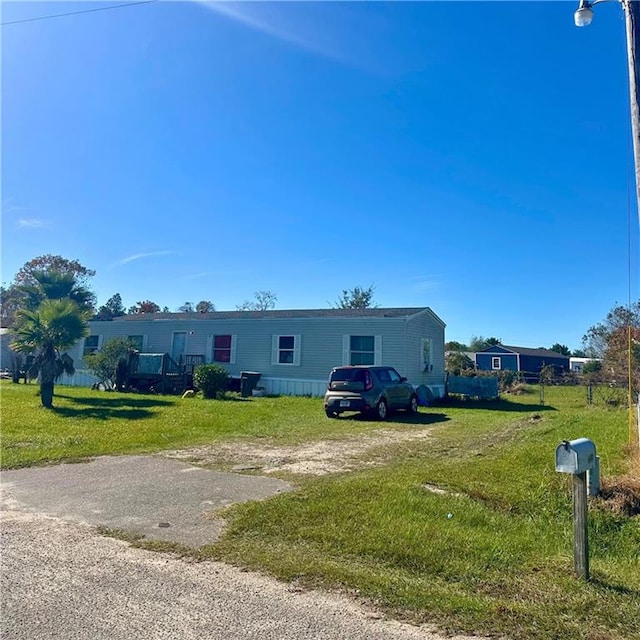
(492, 554)
(90, 423)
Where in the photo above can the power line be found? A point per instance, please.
(73, 13)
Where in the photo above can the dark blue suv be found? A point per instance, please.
(370, 390)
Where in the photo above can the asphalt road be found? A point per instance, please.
(60, 579)
(152, 496)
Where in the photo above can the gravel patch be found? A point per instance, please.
(316, 458)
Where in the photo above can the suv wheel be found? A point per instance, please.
(413, 405)
(382, 410)
(331, 414)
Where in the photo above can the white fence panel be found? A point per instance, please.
(293, 387)
(81, 378)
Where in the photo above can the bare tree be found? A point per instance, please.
(616, 342)
(263, 301)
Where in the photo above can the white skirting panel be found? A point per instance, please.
(293, 387)
(272, 386)
(314, 388)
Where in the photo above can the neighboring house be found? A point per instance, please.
(6, 360)
(10, 361)
(577, 364)
(527, 361)
(294, 350)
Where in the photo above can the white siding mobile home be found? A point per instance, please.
(293, 350)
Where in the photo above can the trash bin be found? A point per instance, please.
(248, 382)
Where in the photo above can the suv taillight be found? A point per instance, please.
(368, 382)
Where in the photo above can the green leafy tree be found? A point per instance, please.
(104, 364)
(205, 306)
(27, 273)
(56, 325)
(592, 367)
(187, 307)
(455, 346)
(356, 298)
(263, 301)
(457, 362)
(144, 306)
(19, 293)
(113, 308)
(12, 299)
(579, 353)
(478, 343)
(561, 348)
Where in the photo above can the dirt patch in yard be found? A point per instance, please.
(315, 458)
(621, 495)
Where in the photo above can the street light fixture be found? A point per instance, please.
(584, 15)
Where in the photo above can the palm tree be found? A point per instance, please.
(54, 326)
(55, 285)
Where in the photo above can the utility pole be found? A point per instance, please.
(582, 18)
(632, 20)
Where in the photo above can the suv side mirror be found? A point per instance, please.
(403, 379)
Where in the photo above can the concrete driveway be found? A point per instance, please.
(156, 497)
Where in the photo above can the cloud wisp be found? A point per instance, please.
(23, 222)
(425, 284)
(245, 13)
(32, 223)
(142, 256)
(216, 274)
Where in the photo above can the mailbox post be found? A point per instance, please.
(578, 457)
(580, 526)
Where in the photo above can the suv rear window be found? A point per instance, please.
(350, 379)
(355, 375)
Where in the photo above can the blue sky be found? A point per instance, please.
(472, 157)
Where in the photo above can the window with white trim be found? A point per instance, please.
(361, 350)
(496, 363)
(285, 350)
(426, 354)
(222, 348)
(91, 345)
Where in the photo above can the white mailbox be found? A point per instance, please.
(576, 456)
